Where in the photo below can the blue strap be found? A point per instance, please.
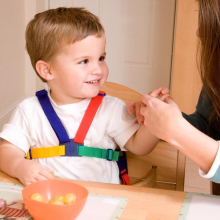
(52, 116)
(122, 164)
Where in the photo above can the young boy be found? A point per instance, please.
(67, 50)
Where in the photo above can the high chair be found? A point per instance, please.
(164, 167)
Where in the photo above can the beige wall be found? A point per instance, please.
(17, 78)
(12, 83)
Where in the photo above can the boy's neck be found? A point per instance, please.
(64, 100)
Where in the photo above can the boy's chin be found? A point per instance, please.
(91, 94)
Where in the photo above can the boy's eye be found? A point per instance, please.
(84, 61)
(102, 58)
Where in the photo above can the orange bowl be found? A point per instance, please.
(49, 189)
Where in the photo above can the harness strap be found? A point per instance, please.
(56, 151)
(46, 152)
(52, 116)
(123, 168)
(88, 118)
(69, 147)
(108, 154)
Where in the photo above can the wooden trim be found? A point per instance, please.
(180, 172)
(185, 80)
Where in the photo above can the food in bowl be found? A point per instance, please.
(67, 199)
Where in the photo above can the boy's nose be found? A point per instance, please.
(97, 70)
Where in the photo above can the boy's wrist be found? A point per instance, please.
(18, 167)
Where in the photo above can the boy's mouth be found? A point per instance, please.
(92, 82)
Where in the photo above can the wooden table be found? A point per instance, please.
(144, 203)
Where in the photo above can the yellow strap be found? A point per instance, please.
(47, 152)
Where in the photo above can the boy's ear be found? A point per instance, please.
(43, 70)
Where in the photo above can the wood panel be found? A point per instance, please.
(163, 156)
(185, 81)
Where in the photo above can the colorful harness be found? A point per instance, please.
(75, 147)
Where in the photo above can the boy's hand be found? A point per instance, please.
(134, 107)
(29, 171)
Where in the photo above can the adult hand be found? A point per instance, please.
(30, 171)
(134, 107)
(161, 118)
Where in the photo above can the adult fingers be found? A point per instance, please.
(169, 100)
(163, 97)
(137, 110)
(146, 99)
(141, 117)
(165, 91)
(156, 92)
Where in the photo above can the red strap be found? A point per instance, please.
(125, 179)
(88, 118)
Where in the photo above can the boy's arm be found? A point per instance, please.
(13, 163)
(142, 142)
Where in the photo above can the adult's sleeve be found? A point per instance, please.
(214, 173)
(199, 118)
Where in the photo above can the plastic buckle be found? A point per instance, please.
(101, 93)
(71, 148)
(107, 155)
(30, 154)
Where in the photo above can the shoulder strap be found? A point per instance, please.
(88, 118)
(52, 116)
(57, 124)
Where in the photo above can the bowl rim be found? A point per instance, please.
(53, 180)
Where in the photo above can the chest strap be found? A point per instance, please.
(71, 147)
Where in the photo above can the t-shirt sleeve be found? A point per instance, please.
(122, 125)
(16, 131)
(214, 173)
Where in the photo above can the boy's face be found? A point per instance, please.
(79, 70)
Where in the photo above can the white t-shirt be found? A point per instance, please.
(112, 125)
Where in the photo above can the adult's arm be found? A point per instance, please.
(165, 120)
(200, 117)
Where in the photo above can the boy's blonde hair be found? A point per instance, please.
(52, 29)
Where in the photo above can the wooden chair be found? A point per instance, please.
(164, 167)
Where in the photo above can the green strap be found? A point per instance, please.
(98, 153)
